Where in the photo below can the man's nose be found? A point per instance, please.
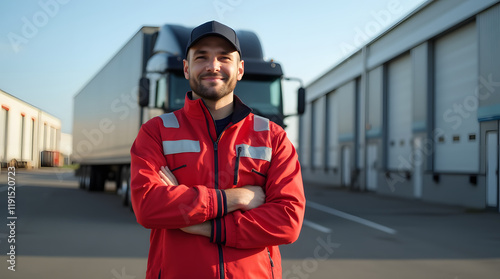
(213, 65)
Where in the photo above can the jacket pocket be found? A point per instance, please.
(259, 173)
(178, 168)
(251, 164)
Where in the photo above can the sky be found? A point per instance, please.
(49, 49)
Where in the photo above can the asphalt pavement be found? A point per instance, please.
(64, 232)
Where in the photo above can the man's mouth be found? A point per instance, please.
(212, 78)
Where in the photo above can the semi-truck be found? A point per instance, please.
(145, 79)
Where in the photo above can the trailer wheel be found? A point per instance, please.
(81, 177)
(85, 177)
(96, 177)
(124, 190)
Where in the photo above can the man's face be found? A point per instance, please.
(213, 67)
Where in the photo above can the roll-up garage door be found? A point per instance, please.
(332, 130)
(456, 125)
(3, 136)
(399, 113)
(318, 133)
(305, 137)
(345, 98)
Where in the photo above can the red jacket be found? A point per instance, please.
(251, 151)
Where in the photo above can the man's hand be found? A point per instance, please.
(244, 198)
(167, 176)
(169, 179)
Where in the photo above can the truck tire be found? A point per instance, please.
(97, 178)
(85, 177)
(81, 179)
(124, 190)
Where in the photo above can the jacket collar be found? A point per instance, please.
(194, 108)
(240, 110)
(198, 109)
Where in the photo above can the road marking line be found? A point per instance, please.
(350, 217)
(317, 226)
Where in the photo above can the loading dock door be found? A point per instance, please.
(346, 166)
(4, 125)
(332, 131)
(492, 169)
(305, 146)
(371, 175)
(318, 133)
(399, 107)
(418, 161)
(456, 80)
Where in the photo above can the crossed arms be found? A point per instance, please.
(247, 219)
(243, 198)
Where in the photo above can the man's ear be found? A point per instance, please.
(185, 64)
(241, 69)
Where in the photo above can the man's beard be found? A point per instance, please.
(210, 92)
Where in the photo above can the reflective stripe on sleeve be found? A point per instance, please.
(260, 124)
(180, 146)
(169, 120)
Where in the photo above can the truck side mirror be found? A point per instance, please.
(143, 92)
(301, 101)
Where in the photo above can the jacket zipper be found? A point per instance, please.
(237, 166)
(271, 261)
(216, 181)
(216, 186)
(216, 167)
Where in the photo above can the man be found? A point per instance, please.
(219, 187)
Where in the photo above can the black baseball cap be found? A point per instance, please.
(213, 28)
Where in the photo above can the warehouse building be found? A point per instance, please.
(415, 112)
(29, 137)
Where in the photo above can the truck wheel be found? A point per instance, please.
(81, 177)
(86, 177)
(97, 178)
(124, 190)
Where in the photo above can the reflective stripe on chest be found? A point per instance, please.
(170, 147)
(254, 152)
(180, 146)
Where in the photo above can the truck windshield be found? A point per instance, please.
(177, 91)
(262, 95)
